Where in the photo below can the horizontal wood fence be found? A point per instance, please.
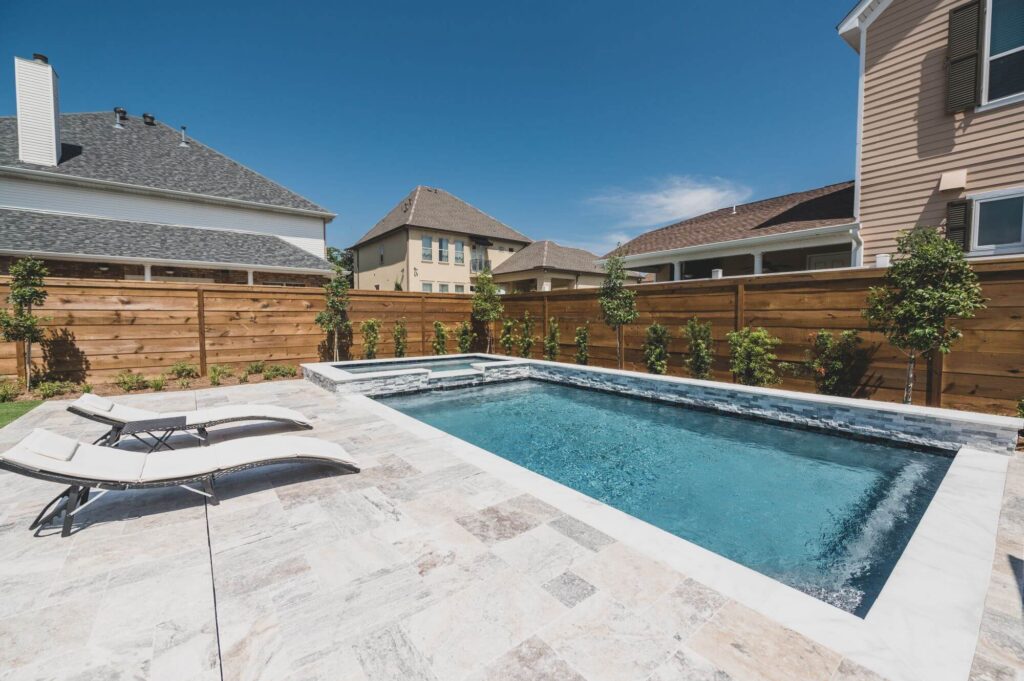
(95, 329)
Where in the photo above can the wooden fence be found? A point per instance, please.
(96, 329)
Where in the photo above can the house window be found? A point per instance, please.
(460, 253)
(428, 248)
(460, 288)
(1005, 58)
(427, 287)
(442, 250)
(1000, 222)
(442, 288)
(380, 251)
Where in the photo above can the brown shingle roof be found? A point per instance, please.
(549, 255)
(435, 208)
(822, 207)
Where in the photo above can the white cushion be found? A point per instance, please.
(179, 463)
(94, 402)
(242, 412)
(89, 462)
(45, 443)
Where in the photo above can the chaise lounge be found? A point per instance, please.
(84, 467)
(124, 421)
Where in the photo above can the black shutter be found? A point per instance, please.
(958, 223)
(963, 57)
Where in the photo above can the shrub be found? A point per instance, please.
(507, 340)
(837, 365)
(252, 369)
(184, 370)
(27, 290)
(618, 303)
(551, 341)
(86, 388)
(127, 381)
(752, 358)
(698, 335)
(9, 391)
(371, 335)
(218, 372)
(582, 344)
(184, 383)
(527, 339)
(279, 371)
(440, 344)
(333, 319)
(243, 377)
(48, 389)
(401, 336)
(656, 349)
(465, 336)
(157, 383)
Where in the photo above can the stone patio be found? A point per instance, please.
(423, 566)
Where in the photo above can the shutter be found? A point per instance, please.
(963, 57)
(958, 223)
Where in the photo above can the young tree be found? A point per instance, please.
(551, 341)
(401, 337)
(334, 318)
(371, 336)
(928, 285)
(583, 344)
(508, 339)
(487, 307)
(20, 325)
(656, 349)
(344, 259)
(752, 357)
(618, 303)
(837, 365)
(440, 343)
(702, 353)
(526, 340)
(464, 336)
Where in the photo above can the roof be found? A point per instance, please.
(822, 207)
(71, 235)
(435, 208)
(149, 156)
(549, 255)
(858, 19)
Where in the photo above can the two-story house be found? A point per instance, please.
(434, 242)
(118, 196)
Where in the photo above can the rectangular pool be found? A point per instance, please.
(824, 514)
(440, 363)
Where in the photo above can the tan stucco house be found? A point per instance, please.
(548, 266)
(432, 242)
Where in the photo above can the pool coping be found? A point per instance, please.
(924, 623)
(331, 372)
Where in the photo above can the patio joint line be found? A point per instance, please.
(213, 590)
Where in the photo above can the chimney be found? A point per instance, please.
(38, 111)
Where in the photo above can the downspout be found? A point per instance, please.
(858, 248)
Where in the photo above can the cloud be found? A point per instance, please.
(674, 198)
(601, 243)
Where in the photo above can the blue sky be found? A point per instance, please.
(583, 122)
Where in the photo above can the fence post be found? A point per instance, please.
(423, 325)
(934, 396)
(741, 302)
(201, 321)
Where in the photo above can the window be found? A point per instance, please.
(442, 250)
(511, 250)
(427, 287)
(1000, 222)
(1005, 58)
(428, 248)
(460, 253)
(381, 253)
(442, 288)
(459, 288)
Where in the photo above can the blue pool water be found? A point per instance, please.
(432, 363)
(827, 515)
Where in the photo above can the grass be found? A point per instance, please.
(12, 410)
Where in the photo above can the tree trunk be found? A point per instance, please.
(335, 333)
(908, 390)
(618, 348)
(28, 365)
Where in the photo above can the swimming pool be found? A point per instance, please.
(440, 363)
(827, 515)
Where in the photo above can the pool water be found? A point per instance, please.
(434, 364)
(824, 514)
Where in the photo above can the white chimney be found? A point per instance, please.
(38, 111)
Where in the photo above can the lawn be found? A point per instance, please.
(12, 410)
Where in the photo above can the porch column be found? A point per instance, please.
(249, 277)
(677, 271)
(757, 263)
(147, 273)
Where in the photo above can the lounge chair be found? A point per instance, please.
(124, 421)
(84, 467)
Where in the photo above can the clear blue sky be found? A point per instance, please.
(579, 121)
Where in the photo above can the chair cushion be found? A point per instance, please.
(94, 402)
(51, 445)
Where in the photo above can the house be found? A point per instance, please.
(940, 122)
(547, 266)
(807, 230)
(432, 241)
(116, 196)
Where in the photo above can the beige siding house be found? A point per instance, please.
(432, 242)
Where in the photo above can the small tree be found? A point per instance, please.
(371, 336)
(527, 339)
(440, 339)
(508, 340)
(582, 344)
(20, 325)
(343, 260)
(656, 349)
(487, 307)
(465, 336)
(929, 284)
(551, 341)
(401, 336)
(618, 303)
(702, 353)
(837, 365)
(751, 356)
(334, 317)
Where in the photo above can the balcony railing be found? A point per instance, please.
(479, 265)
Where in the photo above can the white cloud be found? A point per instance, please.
(674, 198)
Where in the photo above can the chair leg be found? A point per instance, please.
(52, 509)
(208, 488)
(74, 501)
(204, 436)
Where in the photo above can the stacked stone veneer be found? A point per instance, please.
(936, 428)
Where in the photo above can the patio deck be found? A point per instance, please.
(423, 566)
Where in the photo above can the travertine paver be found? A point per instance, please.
(422, 566)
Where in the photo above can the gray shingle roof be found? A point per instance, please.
(549, 255)
(149, 156)
(70, 235)
(434, 208)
